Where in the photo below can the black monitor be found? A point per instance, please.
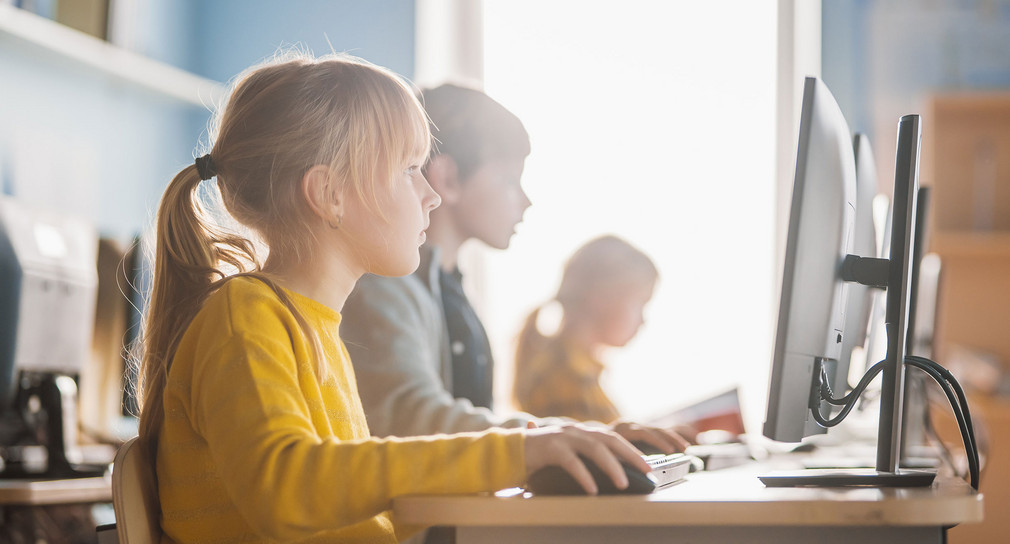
(819, 266)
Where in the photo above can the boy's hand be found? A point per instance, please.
(665, 440)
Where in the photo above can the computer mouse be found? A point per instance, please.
(554, 480)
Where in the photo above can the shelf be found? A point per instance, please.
(972, 244)
(29, 30)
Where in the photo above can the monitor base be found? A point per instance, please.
(834, 477)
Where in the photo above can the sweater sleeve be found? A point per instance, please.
(394, 333)
(288, 482)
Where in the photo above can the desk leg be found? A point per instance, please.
(699, 535)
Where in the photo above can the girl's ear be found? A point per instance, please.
(443, 176)
(322, 194)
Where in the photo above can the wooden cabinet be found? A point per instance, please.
(967, 162)
(966, 150)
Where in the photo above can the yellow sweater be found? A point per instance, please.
(564, 381)
(256, 449)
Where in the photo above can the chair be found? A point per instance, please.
(135, 496)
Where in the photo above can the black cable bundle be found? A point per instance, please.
(955, 396)
(959, 404)
(848, 402)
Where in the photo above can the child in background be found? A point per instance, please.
(421, 354)
(604, 289)
(250, 411)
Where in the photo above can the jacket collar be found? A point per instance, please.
(427, 270)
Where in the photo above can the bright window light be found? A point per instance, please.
(654, 121)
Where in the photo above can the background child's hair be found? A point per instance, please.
(283, 117)
(471, 127)
(602, 264)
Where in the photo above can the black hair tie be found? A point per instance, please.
(205, 167)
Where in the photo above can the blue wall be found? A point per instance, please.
(884, 57)
(218, 39)
(75, 141)
(234, 34)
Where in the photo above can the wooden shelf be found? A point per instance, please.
(992, 244)
(30, 33)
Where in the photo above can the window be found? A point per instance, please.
(655, 121)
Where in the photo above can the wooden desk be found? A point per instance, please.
(44, 492)
(722, 506)
(51, 510)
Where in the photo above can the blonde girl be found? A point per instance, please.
(250, 412)
(604, 289)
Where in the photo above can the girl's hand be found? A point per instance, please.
(562, 446)
(666, 440)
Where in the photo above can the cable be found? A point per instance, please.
(962, 398)
(943, 377)
(966, 435)
(931, 433)
(959, 404)
(848, 402)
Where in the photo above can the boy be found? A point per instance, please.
(421, 356)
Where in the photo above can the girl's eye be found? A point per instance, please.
(412, 170)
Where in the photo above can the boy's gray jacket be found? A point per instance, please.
(396, 334)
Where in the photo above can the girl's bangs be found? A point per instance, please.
(417, 134)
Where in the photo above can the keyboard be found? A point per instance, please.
(668, 469)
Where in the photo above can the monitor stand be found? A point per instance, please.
(848, 477)
(47, 404)
(887, 472)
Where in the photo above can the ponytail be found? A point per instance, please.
(531, 343)
(189, 250)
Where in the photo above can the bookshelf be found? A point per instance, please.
(31, 34)
(967, 165)
(970, 217)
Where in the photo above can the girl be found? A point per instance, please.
(604, 288)
(250, 411)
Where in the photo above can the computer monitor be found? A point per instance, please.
(919, 311)
(859, 301)
(48, 284)
(876, 338)
(822, 215)
(922, 315)
(818, 267)
(921, 320)
(903, 216)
